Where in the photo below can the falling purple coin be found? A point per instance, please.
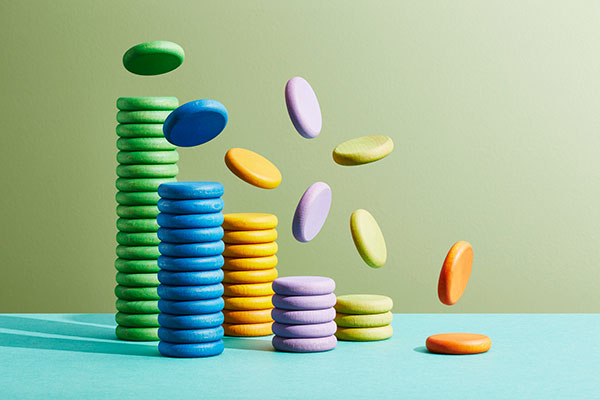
(311, 212)
(303, 317)
(303, 107)
(304, 331)
(303, 285)
(304, 345)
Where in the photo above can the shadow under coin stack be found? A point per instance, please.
(190, 273)
(304, 314)
(364, 317)
(146, 160)
(250, 260)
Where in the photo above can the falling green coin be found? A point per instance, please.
(363, 150)
(153, 58)
(368, 238)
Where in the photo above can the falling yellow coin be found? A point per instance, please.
(368, 238)
(253, 168)
(363, 150)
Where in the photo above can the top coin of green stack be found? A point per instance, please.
(146, 160)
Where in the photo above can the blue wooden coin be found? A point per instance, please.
(195, 123)
(191, 306)
(191, 249)
(190, 264)
(194, 321)
(179, 221)
(197, 206)
(188, 292)
(191, 350)
(191, 190)
(190, 235)
(190, 335)
(190, 278)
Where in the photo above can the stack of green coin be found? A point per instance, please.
(146, 160)
(363, 317)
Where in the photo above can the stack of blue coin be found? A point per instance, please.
(190, 273)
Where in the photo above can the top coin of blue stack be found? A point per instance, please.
(190, 190)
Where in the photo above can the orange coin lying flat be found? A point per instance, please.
(248, 289)
(458, 343)
(253, 168)
(455, 273)
(246, 264)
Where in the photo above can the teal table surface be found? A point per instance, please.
(541, 356)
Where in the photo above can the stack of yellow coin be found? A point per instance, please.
(249, 271)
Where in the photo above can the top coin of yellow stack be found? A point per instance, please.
(249, 271)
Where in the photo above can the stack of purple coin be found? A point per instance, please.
(304, 314)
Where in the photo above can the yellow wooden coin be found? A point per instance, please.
(246, 264)
(247, 330)
(258, 276)
(368, 238)
(248, 303)
(248, 289)
(250, 250)
(245, 237)
(253, 168)
(249, 221)
(363, 150)
(248, 317)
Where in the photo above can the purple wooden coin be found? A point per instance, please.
(303, 317)
(304, 302)
(303, 107)
(304, 331)
(304, 345)
(303, 285)
(311, 212)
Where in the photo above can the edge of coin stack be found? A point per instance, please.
(190, 269)
(145, 160)
(250, 261)
(304, 314)
(364, 317)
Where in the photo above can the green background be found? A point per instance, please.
(492, 106)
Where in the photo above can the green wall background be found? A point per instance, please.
(493, 108)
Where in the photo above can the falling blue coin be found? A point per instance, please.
(195, 123)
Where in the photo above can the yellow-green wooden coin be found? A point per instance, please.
(363, 320)
(368, 238)
(147, 103)
(363, 150)
(364, 334)
(363, 304)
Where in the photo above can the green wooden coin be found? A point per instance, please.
(363, 150)
(137, 307)
(137, 224)
(368, 238)
(143, 117)
(364, 334)
(140, 130)
(136, 266)
(144, 144)
(147, 171)
(137, 211)
(137, 334)
(137, 198)
(153, 58)
(147, 103)
(138, 238)
(137, 320)
(363, 304)
(363, 320)
(138, 252)
(137, 280)
(136, 293)
(148, 157)
(141, 184)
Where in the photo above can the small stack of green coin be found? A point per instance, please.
(363, 317)
(146, 160)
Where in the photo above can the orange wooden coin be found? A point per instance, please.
(248, 289)
(455, 273)
(257, 276)
(263, 329)
(248, 317)
(248, 303)
(458, 343)
(248, 264)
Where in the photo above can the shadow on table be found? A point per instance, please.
(248, 344)
(82, 337)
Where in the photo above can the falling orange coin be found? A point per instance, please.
(458, 343)
(455, 273)
(253, 168)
